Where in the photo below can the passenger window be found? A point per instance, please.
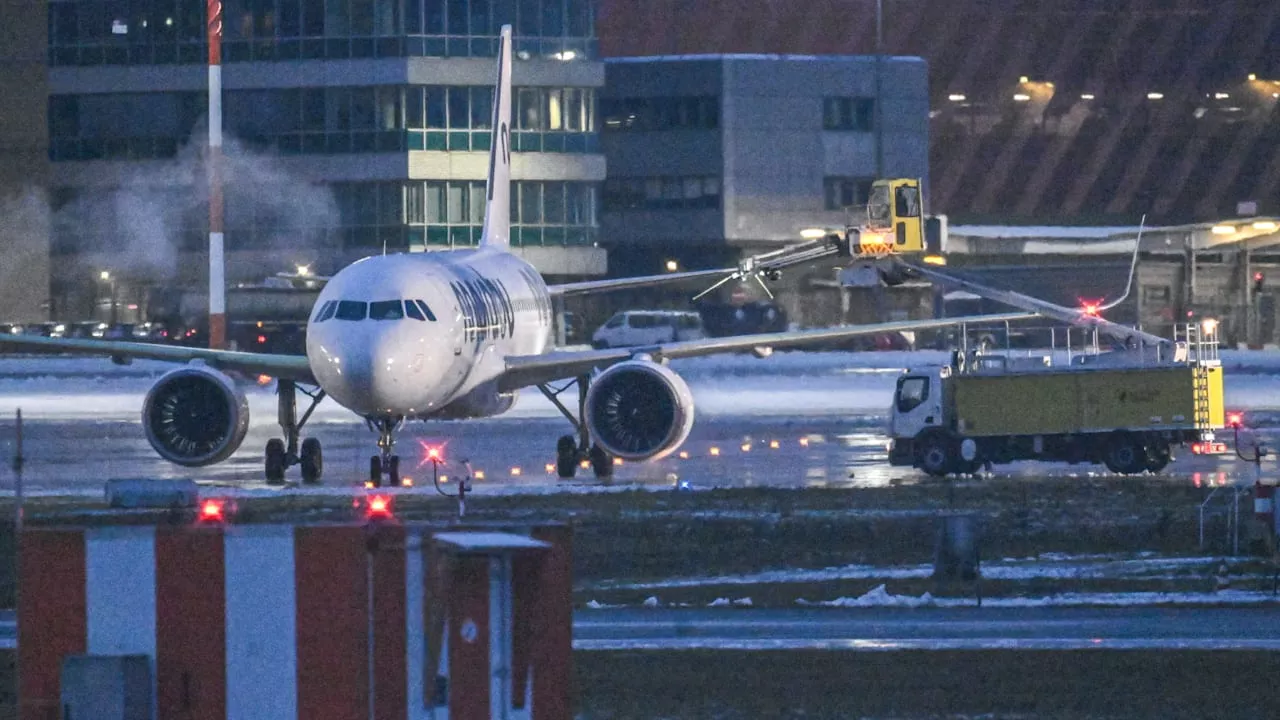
(386, 310)
(426, 310)
(616, 321)
(326, 311)
(689, 321)
(911, 392)
(412, 310)
(642, 321)
(352, 310)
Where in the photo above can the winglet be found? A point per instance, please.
(497, 213)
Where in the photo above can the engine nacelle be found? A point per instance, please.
(639, 410)
(195, 416)
(484, 401)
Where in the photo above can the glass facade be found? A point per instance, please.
(119, 32)
(134, 126)
(848, 114)
(661, 113)
(841, 192)
(700, 192)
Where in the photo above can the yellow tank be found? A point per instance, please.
(1181, 397)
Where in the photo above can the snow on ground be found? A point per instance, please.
(1078, 567)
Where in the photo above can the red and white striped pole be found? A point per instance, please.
(217, 270)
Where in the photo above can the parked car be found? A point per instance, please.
(646, 327)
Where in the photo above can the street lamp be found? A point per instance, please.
(105, 276)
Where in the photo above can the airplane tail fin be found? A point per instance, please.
(497, 213)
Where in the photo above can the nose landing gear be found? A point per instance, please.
(282, 454)
(571, 451)
(385, 464)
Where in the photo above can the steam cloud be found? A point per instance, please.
(24, 223)
(157, 207)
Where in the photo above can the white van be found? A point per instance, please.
(648, 327)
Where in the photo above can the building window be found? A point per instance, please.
(661, 113)
(96, 32)
(662, 193)
(848, 113)
(842, 193)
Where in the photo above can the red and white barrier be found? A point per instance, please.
(271, 622)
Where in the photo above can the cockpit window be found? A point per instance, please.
(412, 310)
(326, 311)
(352, 310)
(386, 310)
(425, 310)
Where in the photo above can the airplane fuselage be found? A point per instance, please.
(466, 312)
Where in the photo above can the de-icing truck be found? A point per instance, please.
(1126, 409)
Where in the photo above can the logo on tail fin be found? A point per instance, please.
(497, 223)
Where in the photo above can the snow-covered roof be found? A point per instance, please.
(756, 56)
(1040, 231)
(489, 541)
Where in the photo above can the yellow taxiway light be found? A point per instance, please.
(672, 266)
(684, 454)
(368, 484)
(1223, 230)
(551, 467)
(584, 464)
(934, 260)
(774, 445)
(406, 482)
(804, 442)
(715, 452)
(479, 475)
(515, 472)
(746, 447)
(617, 461)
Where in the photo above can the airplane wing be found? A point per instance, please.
(750, 267)
(287, 367)
(1073, 316)
(590, 286)
(525, 370)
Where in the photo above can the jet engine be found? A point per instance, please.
(195, 416)
(639, 410)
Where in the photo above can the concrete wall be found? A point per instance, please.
(24, 162)
(777, 152)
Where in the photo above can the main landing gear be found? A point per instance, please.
(283, 454)
(385, 465)
(571, 451)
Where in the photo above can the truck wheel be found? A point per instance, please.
(1125, 455)
(934, 454)
(1158, 456)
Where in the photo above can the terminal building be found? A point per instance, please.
(354, 127)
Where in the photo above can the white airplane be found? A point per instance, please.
(442, 335)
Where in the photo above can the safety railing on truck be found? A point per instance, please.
(1196, 343)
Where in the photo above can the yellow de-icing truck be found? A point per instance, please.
(1125, 411)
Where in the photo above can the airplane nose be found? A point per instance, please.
(374, 376)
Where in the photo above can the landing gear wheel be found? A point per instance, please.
(934, 454)
(566, 457)
(375, 471)
(601, 462)
(1158, 457)
(1125, 455)
(393, 471)
(312, 461)
(275, 461)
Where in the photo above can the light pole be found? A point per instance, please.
(879, 113)
(110, 281)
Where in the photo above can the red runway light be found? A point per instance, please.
(1235, 420)
(212, 511)
(379, 507)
